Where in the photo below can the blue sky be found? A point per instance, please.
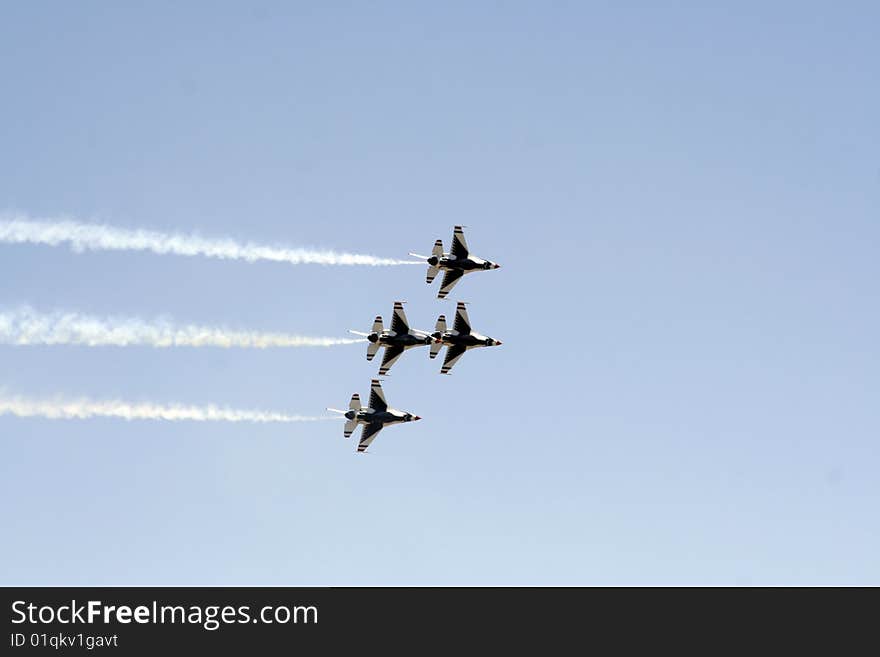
(684, 200)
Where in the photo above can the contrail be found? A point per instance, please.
(83, 409)
(81, 237)
(27, 327)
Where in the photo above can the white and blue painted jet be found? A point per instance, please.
(461, 338)
(454, 264)
(375, 417)
(395, 340)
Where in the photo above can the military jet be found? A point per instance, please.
(459, 339)
(374, 418)
(454, 264)
(396, 340)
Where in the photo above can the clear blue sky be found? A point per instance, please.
(686, 204)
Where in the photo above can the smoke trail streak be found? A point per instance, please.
(97, 237)
(27, 327)
(83, 409)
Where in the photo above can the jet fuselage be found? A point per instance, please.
(468, 264)
(471, 339)
(390, 339)
(388, 416)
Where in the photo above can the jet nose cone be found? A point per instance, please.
(496, 266)
(498, 343)
(417, 417)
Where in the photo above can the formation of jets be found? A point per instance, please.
(400, 337)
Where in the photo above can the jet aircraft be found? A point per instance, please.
(459, 339)
(396, 340)
(375, 417)
(454, 264)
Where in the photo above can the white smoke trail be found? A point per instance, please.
(27, 327)
(98, 237)
(83, 409)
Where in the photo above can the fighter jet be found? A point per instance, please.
(459, 339)
(454, 264)
(374, 418)
(396, 340)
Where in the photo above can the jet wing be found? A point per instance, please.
(377, 398)
(390, 357)
(462, 323)
(398, 322)
(368, 435)
(459, 245)
(450, 278)
(452, 356)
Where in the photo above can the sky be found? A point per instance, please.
(684, 199)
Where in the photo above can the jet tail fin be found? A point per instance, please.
(355, 403)
(372, 348)
(349, 428)
(439, 329)
(432, 274)
(437, 251)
